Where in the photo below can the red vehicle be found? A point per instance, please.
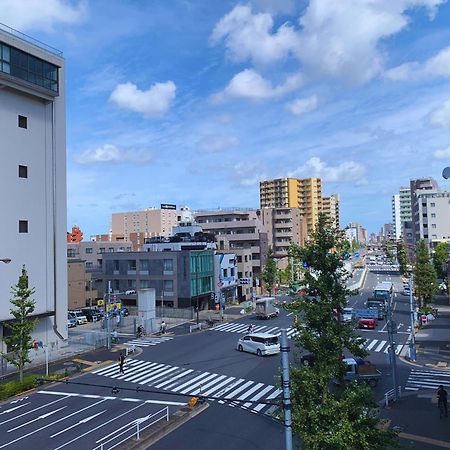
(367, 323)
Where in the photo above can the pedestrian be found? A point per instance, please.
(442, 399)
(295, 320)
(121, 361)
(115, 336)
(250, 328)
(163, 327)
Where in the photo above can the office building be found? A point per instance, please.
(396, 216)
(305, 194)
(33, 180)
(81, 289)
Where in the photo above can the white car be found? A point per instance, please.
(259, 343)
(348, 314)
(79, 317)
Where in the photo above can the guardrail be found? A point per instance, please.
(390, 395)
(135, 427)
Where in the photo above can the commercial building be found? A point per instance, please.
(284, 226)
(331, 208)
(356, 232)
(225, 278)
(305, 194)
(181, 278)
(33, 180)
(81, 290)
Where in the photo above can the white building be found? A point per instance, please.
(33, 180)
(225, 277)
(396, 220)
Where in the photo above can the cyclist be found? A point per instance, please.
(442, 399)
(250, 328)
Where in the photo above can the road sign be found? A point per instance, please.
(356, 254)
(305, 264)
(366, 313)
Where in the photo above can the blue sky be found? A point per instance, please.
(193, 102)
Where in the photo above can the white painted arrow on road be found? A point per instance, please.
(13, 409)
(81, 422)
(44, 416)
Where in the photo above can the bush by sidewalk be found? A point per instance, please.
(16, 387)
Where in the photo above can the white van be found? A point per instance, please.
(259, 343)
(79, 317)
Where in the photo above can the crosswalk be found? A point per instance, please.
(236, 327)
(148, 342)
(235, 391)
(372, 345)
(427, 379)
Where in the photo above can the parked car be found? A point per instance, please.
(348, 314)
(71, 321)
(92, 315)
(308, 360)
(367, 323)
(259, 343)
(79, 317)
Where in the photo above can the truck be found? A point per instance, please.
(377, 304)
(265, 308)
(361, 371)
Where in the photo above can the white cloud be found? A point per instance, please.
(436, 66)
(25, 15)
(274, 6)
(302, 105)
(215, 143)
(347, 171)
(155, 101)
(110, 154)
(440, 117)
(251, 85)
(442, 154)
(249, 36)
(248, 173)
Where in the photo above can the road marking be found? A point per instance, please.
(13, 409)
(190, 386)
(399, 349)
(425, 440)
(50, 424)
(136, 371)
(258, 396)
(272, 329)
(380, 346)
(81, 422)
(372, 344)
(218, 386)
(43, 416)
(270, 397)
(290, 314)
(207, 385)
(191, 381)
(171, 380)
(259, 329)
(163, 372)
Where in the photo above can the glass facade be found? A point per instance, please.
(202, 272)
(26, 67)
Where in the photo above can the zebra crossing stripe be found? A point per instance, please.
(228, 388)
(259, 328)
(158, 374)
(235, 327)
(191, 381)
(222, 325)
(398, 349)
(247, 394)
(258, 396)
(372, 344)
(140, 376)
(191, 385)
(274, 394)
(380, 346)
(176, 377)
(272, 330)
(239, 389)
(431, 372)
(207, 385)
(218, 386)
(137, 373)
(136, 368)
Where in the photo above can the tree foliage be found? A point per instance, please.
(269, 274)
(19, 341)
(425, 280)
(439, 259)
(326, 416)
(402, 258)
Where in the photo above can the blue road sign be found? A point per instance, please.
(305, 265)
(356, 254)
(366, 313)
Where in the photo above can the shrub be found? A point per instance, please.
(16, 387)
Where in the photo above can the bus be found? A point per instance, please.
(384, 290)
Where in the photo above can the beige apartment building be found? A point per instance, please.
(330, 207)
(302, 193)
(81, 292)
(284, 226)
(148, 223)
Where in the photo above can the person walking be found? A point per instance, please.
(442, 399)
(163, 327)
(121, 361)
(250, 328)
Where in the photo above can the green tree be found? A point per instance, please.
(19, 341)
(269, 274)
(324, 416)
(425, 280)
(439, 259)
(402, 258)
(286, 275)
(355, 245)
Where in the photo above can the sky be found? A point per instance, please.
(193, 102)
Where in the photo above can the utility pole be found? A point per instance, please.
(412, 343)
(392, 328)
(284, 350)
(108, 333)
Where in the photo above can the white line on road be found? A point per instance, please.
(13, 409)
(171, 380)
(372, 344)
(270, 397)
(290, 314)
(81, 422)
(380, 346)
(43, 416)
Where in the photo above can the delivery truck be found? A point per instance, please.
(265, 308)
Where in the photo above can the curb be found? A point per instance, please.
(162, 429)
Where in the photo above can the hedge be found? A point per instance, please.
(15, 387)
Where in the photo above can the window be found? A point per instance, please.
(131, 264)
(23, 171)
(433, 215)
(231, 271)
(432, 205)
(89, 264)
(145, 284)
(168, 285)
(102, 250)
(433, 225)
(23, 226)
(111, 249)
(71, 253)
(89, 250)
(23, 122)
(168, 264)
(116, 265)
(239, 258)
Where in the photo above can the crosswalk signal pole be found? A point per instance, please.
(392, 328)
(284, 349)
(412, 344)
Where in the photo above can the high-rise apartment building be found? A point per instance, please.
(405, 204)
(302, 193)
(33, 180)
(330, 207)
(396, 216)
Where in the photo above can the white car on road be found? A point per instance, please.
(259, 343)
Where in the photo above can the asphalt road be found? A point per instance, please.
(80, 416)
